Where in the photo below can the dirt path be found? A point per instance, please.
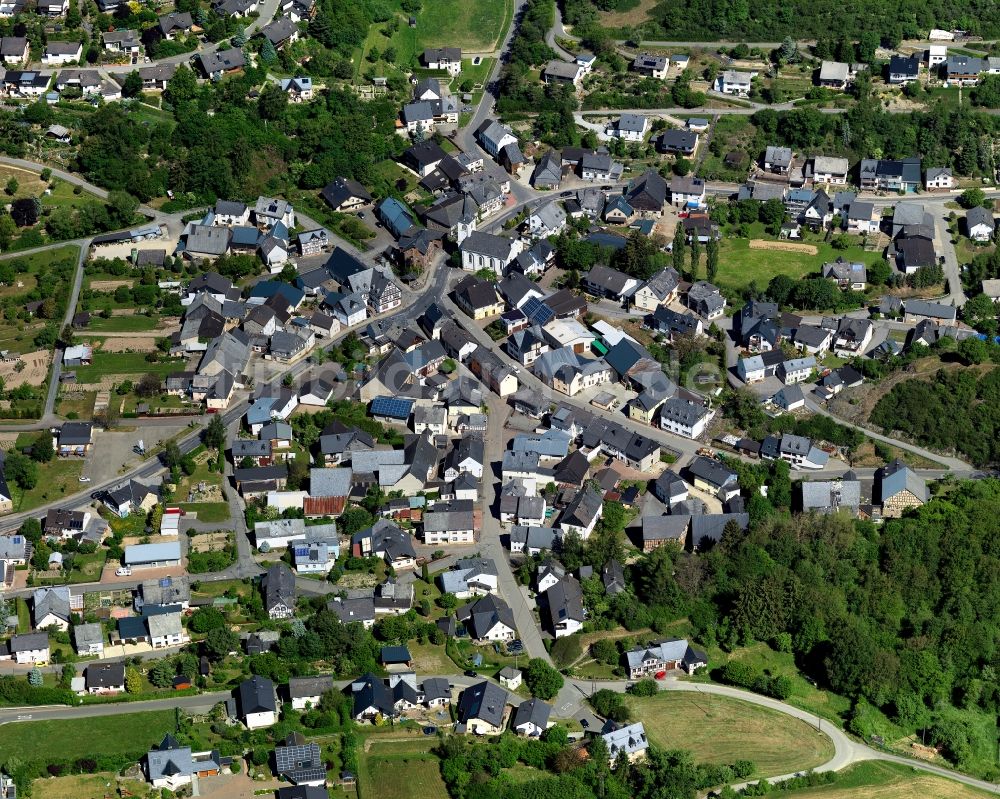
(783, 246)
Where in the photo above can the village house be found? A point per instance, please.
(900, 489)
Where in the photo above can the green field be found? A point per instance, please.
(135, 323)
(17, 335)
(207, 511)
(57, 478)
(123, 363)
(721, 730)
(766, 660)
(85, 737)
(410, 772)
(875, 780)
(739, 265)
(474, 27)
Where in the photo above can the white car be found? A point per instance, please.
(84, 479)
(123, 571)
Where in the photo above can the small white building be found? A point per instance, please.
(685, 418)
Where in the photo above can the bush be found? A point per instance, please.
(565, 651)
(610, 705)
(646, 687)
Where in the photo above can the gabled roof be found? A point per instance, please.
(484, 614)
(257, 696)
(483, 701)
(279, 587)
(897, 477)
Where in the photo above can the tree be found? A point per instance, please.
(41, 449)
(610, 704)
(695, 257)
(162, 673)
(12, 186)
(123, 207)
(22, 470)
(215, 433)
(133, 681)
(542, 680)
(25, 211)
(354, 520)
(132, 86)
(35, 677)
(605, 651)
(678, 248)
(7, 230)
(272, 103)
(207, 618)
(268, 54)
(973, 350)
(149, 384)
(682, 166)
(68, 673)
(772, 214)
(711, 258)
(970, 198)
(182, 86)
(172, 455)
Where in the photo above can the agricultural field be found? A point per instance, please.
(131, 323)
(402, 770)
(874, 780)
(86, 737)
(721, 730)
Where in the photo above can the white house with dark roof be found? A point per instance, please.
(628, 127)
(307, 691)
(629, 740)
(173, 766)
(668, 655)
(258, 706)
(485, 251)
(531, 718)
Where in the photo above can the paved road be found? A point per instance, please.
(69, 177)
(683, 447)
(569, 703)
(491, 545)
(954, 464)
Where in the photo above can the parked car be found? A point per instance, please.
(123, 571)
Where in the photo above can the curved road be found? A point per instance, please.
(847, 751)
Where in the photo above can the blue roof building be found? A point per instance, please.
(266, 289)
(395, 216)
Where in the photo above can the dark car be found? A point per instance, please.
(430, 730)
(470, 673)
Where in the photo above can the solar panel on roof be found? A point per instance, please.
(392, 406)
(537, 311)
(164, 582)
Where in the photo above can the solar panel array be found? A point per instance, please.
(538, 312)
(392, 406)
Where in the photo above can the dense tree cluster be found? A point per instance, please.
(957, 411)
(900, 617)
(475, 770)
(886, 23)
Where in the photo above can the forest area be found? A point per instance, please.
(771, 20)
